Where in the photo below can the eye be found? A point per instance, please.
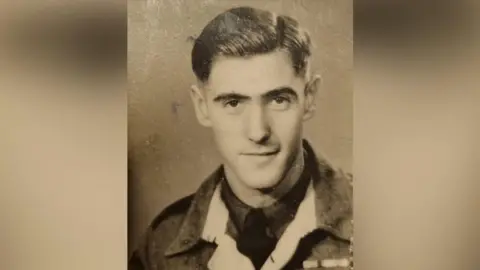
(280, 100)
(279, 103)
(233, 106)
(232, 103)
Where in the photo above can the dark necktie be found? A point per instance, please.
(254, 241)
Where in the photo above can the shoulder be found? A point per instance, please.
(334, 185)
(336, 178)
(322, 165)
(172, 214)
(161, 231)
(342, 183)
(339, 182)
(165, 225)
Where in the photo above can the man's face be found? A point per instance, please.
(255, 107)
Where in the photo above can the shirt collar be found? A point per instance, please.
(333, 203)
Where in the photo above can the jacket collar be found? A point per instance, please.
(333, 204)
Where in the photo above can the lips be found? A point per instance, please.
(262, 153)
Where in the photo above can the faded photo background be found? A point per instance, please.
(170, 154)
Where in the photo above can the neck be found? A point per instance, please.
(263, 198)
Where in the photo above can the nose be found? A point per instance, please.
(258, 127)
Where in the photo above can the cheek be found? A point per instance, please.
(286, 125)
(227, 130)
(224, 123)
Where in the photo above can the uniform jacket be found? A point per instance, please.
(190, 233)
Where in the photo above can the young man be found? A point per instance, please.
(273, 204)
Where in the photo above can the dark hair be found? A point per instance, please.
(246, 31)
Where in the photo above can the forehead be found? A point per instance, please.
(253, 75)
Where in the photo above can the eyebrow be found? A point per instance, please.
(230, 96)
(281, 91)
(284, 90)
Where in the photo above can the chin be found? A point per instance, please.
(267, 182)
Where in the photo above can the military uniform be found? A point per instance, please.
(199, 232)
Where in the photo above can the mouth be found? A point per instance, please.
(262, 153)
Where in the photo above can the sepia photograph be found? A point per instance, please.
(239, 135)
(240, 122)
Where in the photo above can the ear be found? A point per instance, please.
(200, 105)
(310, 93)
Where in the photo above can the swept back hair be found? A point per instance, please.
(246, 31)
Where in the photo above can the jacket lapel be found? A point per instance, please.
(333, 196)
(191, 229)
